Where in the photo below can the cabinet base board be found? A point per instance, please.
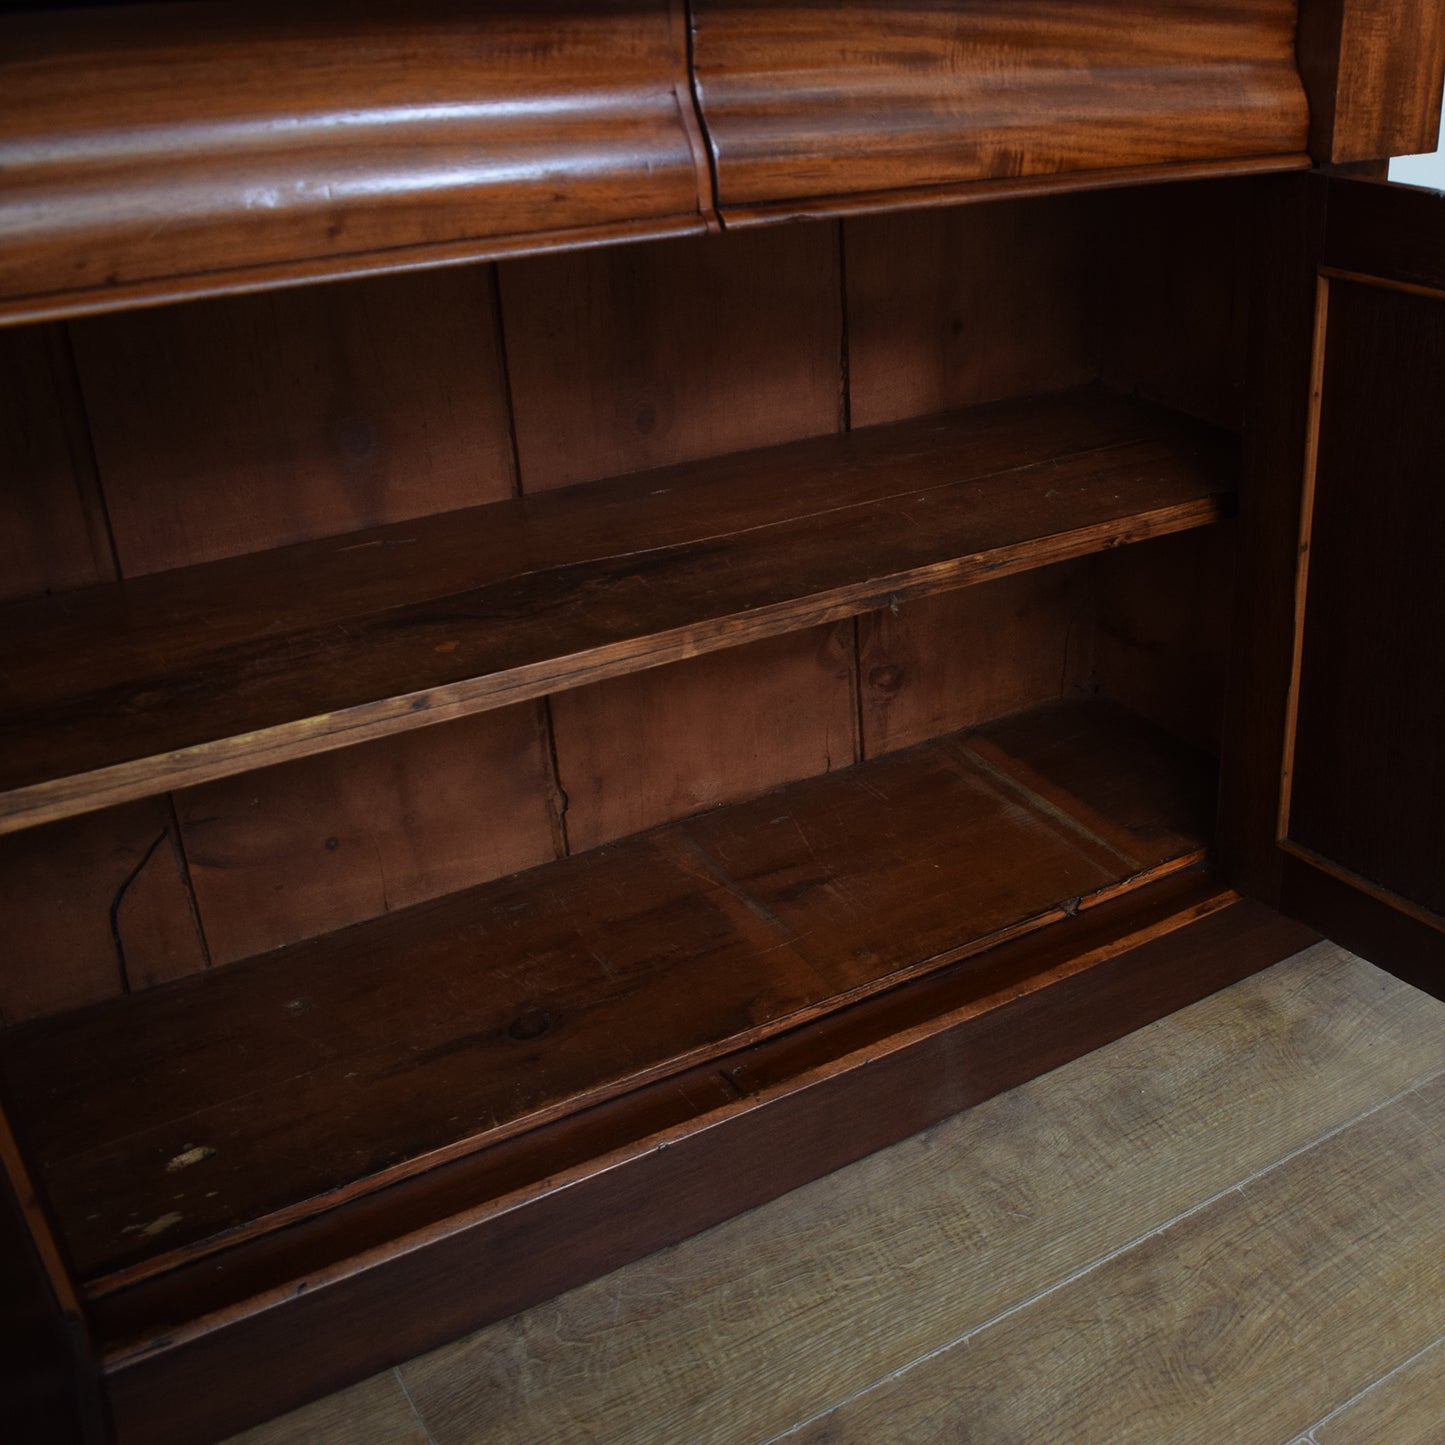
(380, 1280)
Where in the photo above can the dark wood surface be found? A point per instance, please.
(155, 151)
(199, 673)
(167, 1119)
(1368, 777)
(230, 426)
(1289, 225)
(804, 101)
(623, 1180)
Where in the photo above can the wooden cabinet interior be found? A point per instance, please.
(506, 765)
(947, 675)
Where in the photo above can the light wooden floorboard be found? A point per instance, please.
(375, 1412)
(777, 1317)
(1407, 1407)
(1232, 1324)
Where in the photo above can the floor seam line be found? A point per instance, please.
(1237, 1187)
(420, 1418)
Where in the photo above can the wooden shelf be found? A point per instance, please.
(170, 1123)
(122, 691)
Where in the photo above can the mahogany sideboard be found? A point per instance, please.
(611, 604)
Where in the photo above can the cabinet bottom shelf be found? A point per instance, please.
(333, 1156)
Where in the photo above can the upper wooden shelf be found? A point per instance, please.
(155, 151)
(823, 108)
(124, 690)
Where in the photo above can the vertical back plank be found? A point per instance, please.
(301, 849)
(951, 307)
(93, 906)
(637, 357)
(230, 426)
(658, 745)
(963, 658)
(52, 522)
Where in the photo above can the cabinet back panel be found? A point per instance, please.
(640, 356)
(93, 907)
(1173, 295)
(226, 426)
(232, 426)
(53, 532)
(962, 658)
(978, 303)
(293, 851)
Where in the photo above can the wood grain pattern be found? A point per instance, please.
(53, 532)
(1405, 1407)
(803, 101)
(963, 658)
(94, 907)
(155, 151)
(1262, 1326)
(643, 356)
(439, 1027)
(1373, 71)
(994, 301)
(764, 1321)
(291, 852)
(643, 750)
(232, 426)
(200, 673)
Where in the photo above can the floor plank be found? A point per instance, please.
(375, 1412)
(1232, 1324)
(763, 1322)
(1406, 1407)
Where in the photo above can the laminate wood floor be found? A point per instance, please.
(1227, 1227)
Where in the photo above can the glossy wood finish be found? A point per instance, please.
(909, 1058)
(860, 103)
(1373, 70)
(440, 1028)
(197, 674)
(150, 152)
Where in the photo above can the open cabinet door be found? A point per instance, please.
(1360, 816)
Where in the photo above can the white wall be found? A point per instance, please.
(1420, 170)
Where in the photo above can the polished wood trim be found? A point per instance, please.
(119, 692)
(1302, 559)
(1013, 188)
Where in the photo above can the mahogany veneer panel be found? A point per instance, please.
(153, 151)
(112, 693)
(807, 102)
(254, 1093)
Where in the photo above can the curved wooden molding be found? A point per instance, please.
(156, 151)
(804, 101)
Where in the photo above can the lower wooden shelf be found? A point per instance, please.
(315, 1162)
